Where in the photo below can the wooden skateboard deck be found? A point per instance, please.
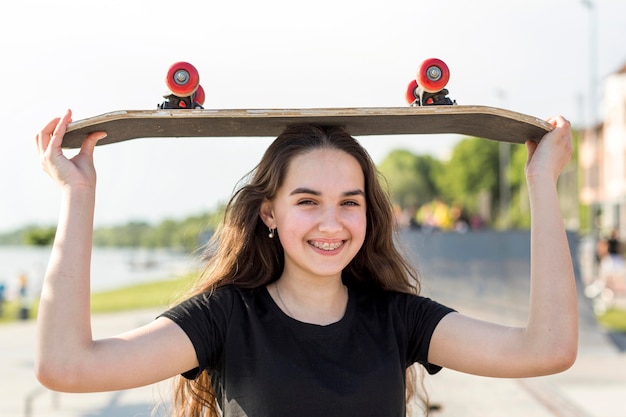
(478, 121)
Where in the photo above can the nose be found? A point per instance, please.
(330, 221)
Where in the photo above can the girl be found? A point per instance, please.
(305, 306)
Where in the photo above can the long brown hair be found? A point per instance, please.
(241, 253)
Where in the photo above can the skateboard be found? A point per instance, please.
(430, 111)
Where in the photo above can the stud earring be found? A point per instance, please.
(271, 233)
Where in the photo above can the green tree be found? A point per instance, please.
(164, 235)
(130, 235)
(188, 233)
(39, 236)
(410, 177)
(472, 170)
(519, 208)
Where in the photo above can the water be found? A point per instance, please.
(110, 267)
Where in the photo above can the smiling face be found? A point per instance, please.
(319, 213)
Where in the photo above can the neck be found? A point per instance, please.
(316, 303)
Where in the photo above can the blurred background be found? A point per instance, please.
(159, 199)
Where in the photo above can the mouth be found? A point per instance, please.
(327, 246)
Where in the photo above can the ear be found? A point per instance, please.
(267, 214)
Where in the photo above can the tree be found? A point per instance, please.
(39, 236)
(410, 177)
(519, 208)
(470, 177)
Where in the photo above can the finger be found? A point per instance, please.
(561, 132)
(531, 147)
(90, 142)
(558, 121)
(42, 139)
(59, 131)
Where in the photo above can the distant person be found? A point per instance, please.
(2, 297)
(460, 219)
(23, 297)
(611, 278)
(614, 244)
(306, 306)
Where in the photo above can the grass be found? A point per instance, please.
(159, 294)
(10, 312)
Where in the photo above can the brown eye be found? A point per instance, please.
(351, 203)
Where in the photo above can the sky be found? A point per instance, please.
(532, 56)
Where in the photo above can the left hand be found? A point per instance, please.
(552, 153)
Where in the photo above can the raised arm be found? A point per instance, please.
(67, 358)
(548, 343)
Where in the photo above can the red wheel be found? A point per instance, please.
(182, 79)
(433, 75)
(199, 97)
(410, 92)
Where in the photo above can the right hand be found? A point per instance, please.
(551, 155)
(78, 171)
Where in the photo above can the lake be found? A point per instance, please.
(110, 267)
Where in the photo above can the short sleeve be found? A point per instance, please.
(204, 318)
(422, 317)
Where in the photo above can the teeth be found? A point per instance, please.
(326, 245)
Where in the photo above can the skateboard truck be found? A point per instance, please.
(194, 101)
(185, 91)
(428, 87)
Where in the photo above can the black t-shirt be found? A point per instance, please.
(264, 363)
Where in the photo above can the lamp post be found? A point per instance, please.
(592, 99)
(592, 103)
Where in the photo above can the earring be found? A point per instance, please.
(271, 233)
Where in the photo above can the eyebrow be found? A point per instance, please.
(305, 190)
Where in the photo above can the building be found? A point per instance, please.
(602, 160)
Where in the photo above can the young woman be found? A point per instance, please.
(305, 306)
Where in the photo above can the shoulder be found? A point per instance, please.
(387, 297)
(218, 302)
(405, 306)
(213, 312)
(411, 318)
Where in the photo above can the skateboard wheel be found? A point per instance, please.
(433, 75)
(200, 96)
(182, 79)
(410, 92)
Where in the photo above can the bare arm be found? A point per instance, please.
(549, 341)
(67, 357)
